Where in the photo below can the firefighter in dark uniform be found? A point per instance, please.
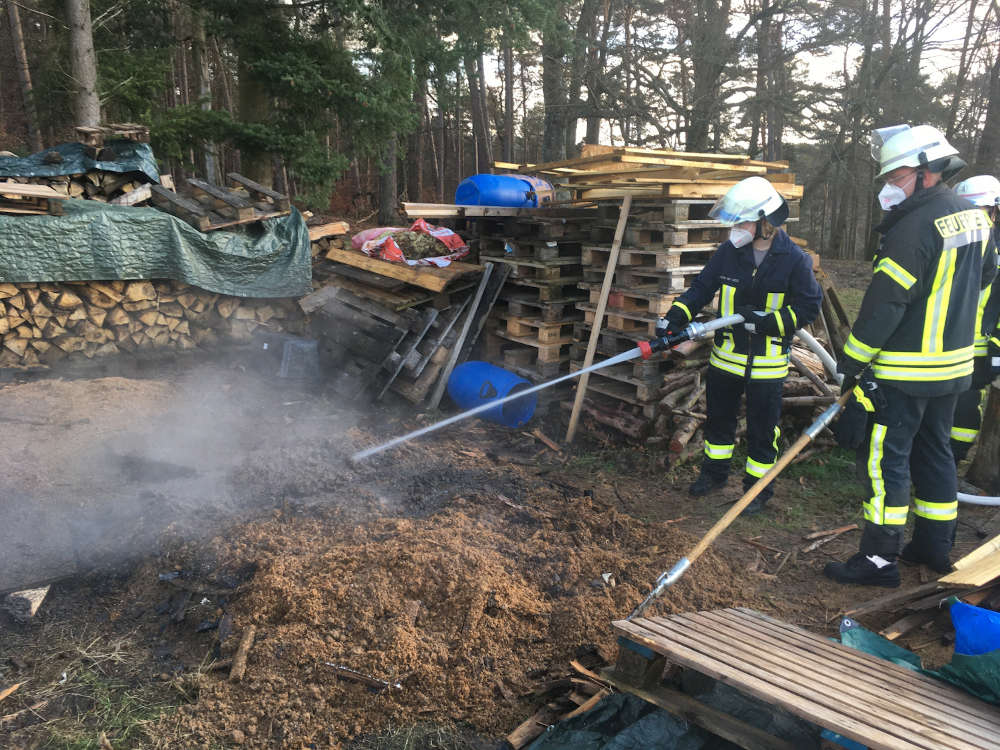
(983, 191)
(759, 273)
(915, 333)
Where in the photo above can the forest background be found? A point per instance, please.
(351, 106)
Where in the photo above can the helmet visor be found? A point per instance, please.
(878, 138)
(730, 209)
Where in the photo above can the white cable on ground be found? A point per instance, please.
(831, 366)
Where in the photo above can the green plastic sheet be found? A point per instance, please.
(94, 241)
(129, 156)
(978, 674)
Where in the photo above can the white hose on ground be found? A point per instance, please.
(831, 366)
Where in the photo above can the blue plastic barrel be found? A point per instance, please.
(474, 383)
(512, 190)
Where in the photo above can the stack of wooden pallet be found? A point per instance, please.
(667, 240)
(19, 198)
(533, 325)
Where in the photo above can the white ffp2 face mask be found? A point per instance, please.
(891, 195)
(740, 237)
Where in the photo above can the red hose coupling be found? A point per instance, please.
(646, 349)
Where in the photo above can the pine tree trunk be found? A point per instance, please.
(508, 103)
(388, 196)
(553, 94)
(988, 155)
(255, 106)
(207, 150)
(985, 469)
(83, 63)
(24, 76)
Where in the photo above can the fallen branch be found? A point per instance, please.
(365, 679)
(17, 714)
(820, 542)
(545, 439)
(828, 532)
(759, 545)
(240, 657)
(9, 691)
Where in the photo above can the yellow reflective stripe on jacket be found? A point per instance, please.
(982, 340)
(682, 306)
(719, 452)
(727, 300)
(938, 300)
(773, 305)
(924, 359)
(855, 348)
(963, 434)
(767, 372)
(896, 272)
(875, 505)
(894, 515)
(936, 511)
(795, 318)
(922, 374)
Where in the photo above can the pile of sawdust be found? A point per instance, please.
(467, 609)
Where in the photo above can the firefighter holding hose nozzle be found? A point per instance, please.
(762, 275)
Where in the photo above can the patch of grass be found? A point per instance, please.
(851, 300)
(421, 737)
(88, 684)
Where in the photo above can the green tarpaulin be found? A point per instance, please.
(129, 156)
(94, 241)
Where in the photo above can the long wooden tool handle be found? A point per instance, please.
(723, 523)
(595, 331)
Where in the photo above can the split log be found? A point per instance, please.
(242, 651)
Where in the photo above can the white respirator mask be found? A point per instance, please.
(890, 196)
(740, 237)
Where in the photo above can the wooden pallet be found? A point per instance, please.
(619, 380)
(671, 211)
(545, 332)
(639, 299)
(427, 277)
(267, 199)
(526, 269)
(639, 323)
(529, 248)
(210, 208)
(524, 302)
(872, 701)
(663, 259)
(18, 198)
(94, 136)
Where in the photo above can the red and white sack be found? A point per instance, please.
(383, 247)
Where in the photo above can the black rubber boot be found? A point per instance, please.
(759, 503)
(705, 484)
(931, 544)
(875, 563)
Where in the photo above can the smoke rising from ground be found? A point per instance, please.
(95, 472)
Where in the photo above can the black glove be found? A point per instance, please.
(850, 370)
(757, 322)
(982, 372)
(676, 321)
(854, 423)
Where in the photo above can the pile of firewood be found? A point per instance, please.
(43, 323)
(122, 188)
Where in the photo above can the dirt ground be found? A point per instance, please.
(194, 499)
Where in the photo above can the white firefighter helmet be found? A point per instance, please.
(919, 146)
(983, 190)
(749, 200)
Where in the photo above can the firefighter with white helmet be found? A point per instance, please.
(983, 191)
(913, 339)
(764, 276)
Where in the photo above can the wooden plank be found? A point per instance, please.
(18, 189)
(426, 277)
(977, 574)
(905, 624)
(896, 678)
(893, 599)
(984, 550)
(718, 723)
(233, 206)
(140, 194)
(319, 298)
(184, 208)
(823, 667)
(332, 229)
(257, 190)
(758, 675)
(856, 728)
